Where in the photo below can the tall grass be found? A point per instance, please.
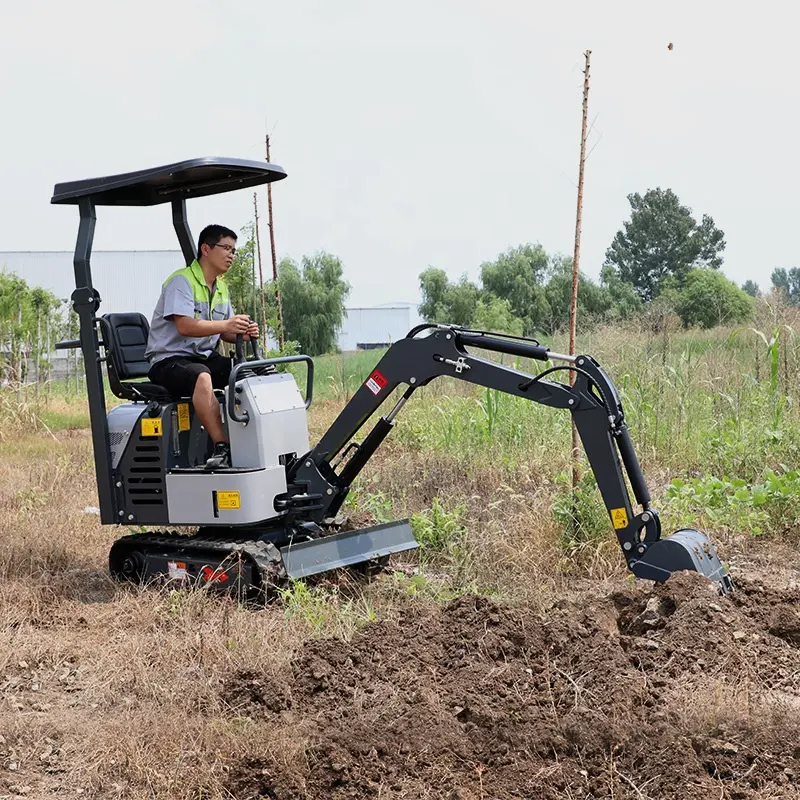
(715, 411)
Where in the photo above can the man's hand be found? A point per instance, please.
(240, 323)
(252, 331)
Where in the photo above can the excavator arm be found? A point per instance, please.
(319, 481)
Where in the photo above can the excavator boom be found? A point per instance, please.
(319, 481)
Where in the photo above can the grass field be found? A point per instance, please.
(120, 692)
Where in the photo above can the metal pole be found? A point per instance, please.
(576, 258)
(181, 224)
(85, 301)
(274, 257)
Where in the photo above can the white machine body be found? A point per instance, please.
(276, 422)
(276, 429)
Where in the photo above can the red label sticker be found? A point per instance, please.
(376, 382)
(212, 575)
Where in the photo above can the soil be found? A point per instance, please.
(667, 691)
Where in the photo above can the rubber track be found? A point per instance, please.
(268, 570)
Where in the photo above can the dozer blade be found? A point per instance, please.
(347, 548)
(686, 549)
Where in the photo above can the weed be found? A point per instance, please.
(772, 344)
(379, 505)
(369, 499)
(423, 586)
(582, 518)
(439, 530)
(768, 504)
(442, 537)
(324, 611)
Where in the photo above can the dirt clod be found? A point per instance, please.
(481, 700)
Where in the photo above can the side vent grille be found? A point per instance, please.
(115, 439)
(146, 474)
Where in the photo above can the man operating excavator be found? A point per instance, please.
(192, 314)
(272, 517)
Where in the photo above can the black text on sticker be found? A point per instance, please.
(376, 382)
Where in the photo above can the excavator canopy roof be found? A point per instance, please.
(149, 187)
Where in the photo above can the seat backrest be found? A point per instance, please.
(125, 335)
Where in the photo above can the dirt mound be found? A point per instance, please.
(672, 692)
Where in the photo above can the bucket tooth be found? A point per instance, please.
(686, 549)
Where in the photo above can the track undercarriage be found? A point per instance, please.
(251, 565)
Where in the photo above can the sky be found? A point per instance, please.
(414, 134)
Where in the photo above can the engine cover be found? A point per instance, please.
(276, 424)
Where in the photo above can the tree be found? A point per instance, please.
(447, 302)
(27, 316)
(662, 238)
(43, 305)
(609, 300)
(787, 282)
(751, 288)
(463, 302)
(594, 302)
(240, 278)
(313, 296)
(494, 314)
(433, 284)
(518, 276)
(707, 298)
(625, 301)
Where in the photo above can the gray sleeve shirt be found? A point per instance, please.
(178, 297)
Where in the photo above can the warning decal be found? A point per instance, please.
(376, 382)
(228, 500)
(151, 427)
(619, 518)
(183, 416)
(177, 570)
(214, 575)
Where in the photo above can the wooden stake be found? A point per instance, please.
(274, 258)
(576, 258)
(260, 276)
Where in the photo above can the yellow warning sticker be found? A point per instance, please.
(619, 517)
(151, 427)
(228, 500)
(183, 417)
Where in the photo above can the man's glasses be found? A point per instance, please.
(229, 248)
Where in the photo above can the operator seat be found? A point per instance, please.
(125, 338)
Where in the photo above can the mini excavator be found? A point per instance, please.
(271, 516)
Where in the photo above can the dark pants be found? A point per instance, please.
(178, 375)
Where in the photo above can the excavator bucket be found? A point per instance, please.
(687, 549)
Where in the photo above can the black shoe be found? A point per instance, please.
(221, 457)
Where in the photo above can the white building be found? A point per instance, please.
(130, 280)
(377, 326)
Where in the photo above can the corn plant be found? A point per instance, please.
(772, 344)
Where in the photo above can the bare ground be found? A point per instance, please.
(562, 686)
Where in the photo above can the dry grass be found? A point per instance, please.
(109, 690)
